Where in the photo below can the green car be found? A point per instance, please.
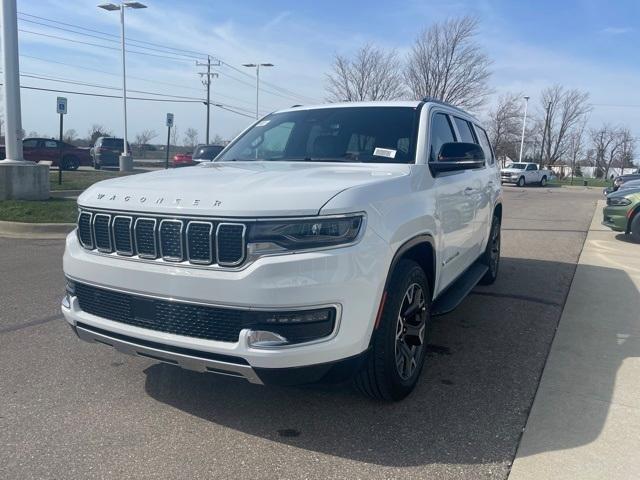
(622, 213)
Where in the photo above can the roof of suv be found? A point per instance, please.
(384, 103)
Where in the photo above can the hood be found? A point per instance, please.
(237, 189)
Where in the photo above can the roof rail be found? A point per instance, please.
(441, 102)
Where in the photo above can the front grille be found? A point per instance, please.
(179, 240)
(199, 321)
(102, 232)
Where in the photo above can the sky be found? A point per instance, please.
(586, 44)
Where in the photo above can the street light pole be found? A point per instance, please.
(524, 125)
(126, 162)
(257, 67)
(11, 88)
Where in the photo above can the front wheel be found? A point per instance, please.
(398, 350)
(635, 228)
(543, 181)
(70, 163)
(521, 182)
(491, 255)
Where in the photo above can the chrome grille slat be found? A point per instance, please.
(230, 244)
(122, 235)
(102, 232)
(144, 230)
(171, 244)
(202, 242)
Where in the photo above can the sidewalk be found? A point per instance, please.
(585, 420)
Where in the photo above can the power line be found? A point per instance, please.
(275, 89)
(200, 54)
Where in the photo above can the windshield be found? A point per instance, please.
(346, 134)
(518, 166)
(208, 152)
(112, 143)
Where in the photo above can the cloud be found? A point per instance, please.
(616, 30)
(276, 20)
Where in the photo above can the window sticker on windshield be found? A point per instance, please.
(384, 152)
(262, 123)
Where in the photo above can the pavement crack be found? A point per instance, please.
(32, 323)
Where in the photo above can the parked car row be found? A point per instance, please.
(622, 212)
(202, 153)
(49, 150)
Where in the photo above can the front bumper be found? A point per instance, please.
(615, 218)
(351, 277)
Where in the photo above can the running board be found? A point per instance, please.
(458, 290)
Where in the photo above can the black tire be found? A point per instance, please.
(399, 345)
(96, 165)
(521, 182)
(491, 255)
(635, 228)
(70, 162)
(543, 181)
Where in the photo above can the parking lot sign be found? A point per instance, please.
(169, 120)
(62, 105)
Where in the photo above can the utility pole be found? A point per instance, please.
(206, 81)
(524, 124)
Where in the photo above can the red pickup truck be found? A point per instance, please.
(48, 149)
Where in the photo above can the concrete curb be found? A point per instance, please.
(35, 230)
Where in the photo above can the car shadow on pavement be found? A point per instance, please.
(470, 406)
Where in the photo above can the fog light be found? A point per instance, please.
(263, 338)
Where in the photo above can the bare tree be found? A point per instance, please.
(95, 131)
(142, 139)
(70, 135)
(576, 146)
(190, 137)
(372, 74)
(504, 126)
(562, 111)
(628, 149)
(33, 134)
(447, 63)
(174, 135)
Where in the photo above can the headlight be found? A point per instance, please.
(618, 201)
(284, 235)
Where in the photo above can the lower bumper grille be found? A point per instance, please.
(199, 321)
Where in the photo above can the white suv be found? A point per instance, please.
(318, 245)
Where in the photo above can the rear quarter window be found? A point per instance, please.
(483, 138)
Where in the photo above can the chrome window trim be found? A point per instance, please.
(115, 243)
(170, 258)
(211, 239)
(244, 244)
(82, 244)
(155, 243)
(93, 229)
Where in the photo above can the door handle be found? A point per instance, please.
(490, 183)
(468, 191)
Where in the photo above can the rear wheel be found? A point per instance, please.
(543, 181)
(491, 255)
(521, 182)
(96, 165)
(399, 345)
(635, 228)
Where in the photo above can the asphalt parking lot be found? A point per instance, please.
(74, 410)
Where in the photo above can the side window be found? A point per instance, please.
(483, 138)
(31, 143)
(50, 144)
(466, 135)
(531, 167)
(441, 133)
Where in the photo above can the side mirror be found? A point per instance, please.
(456, 156)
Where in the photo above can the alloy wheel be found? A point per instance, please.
(410, 331)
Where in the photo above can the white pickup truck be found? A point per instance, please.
(523, 173)
(319, 244)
